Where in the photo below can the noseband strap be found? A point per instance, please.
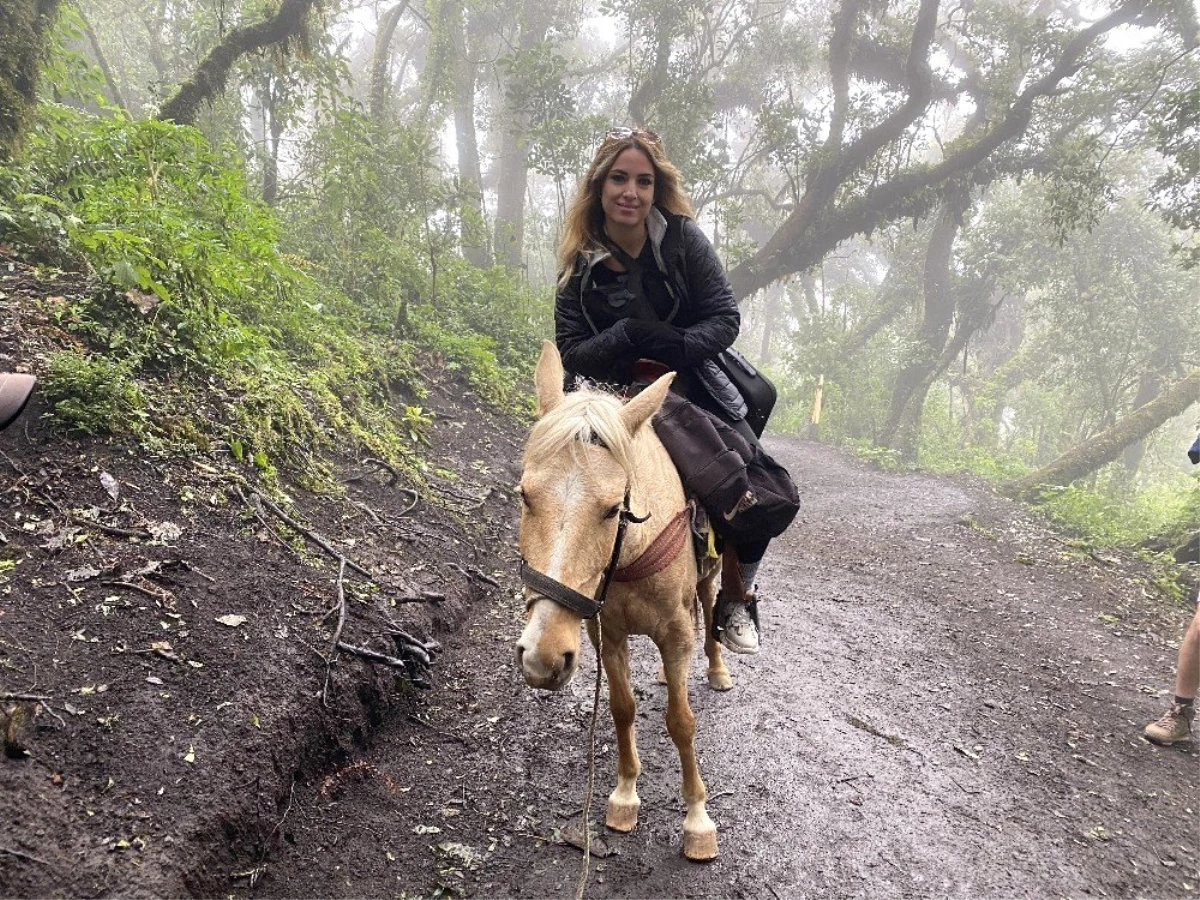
(571, 599)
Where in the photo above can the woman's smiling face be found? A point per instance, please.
(628, 191)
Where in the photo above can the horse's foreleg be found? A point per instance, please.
(699, 832)
(719, 678)
(623, 802)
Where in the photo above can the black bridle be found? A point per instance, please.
(571, 599)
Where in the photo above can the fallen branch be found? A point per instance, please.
(21, 854)
(475, 573)
(187, 565)
(374, 656)
(374, 516)
(162, 595)
(27, 697)
(474, 502)
(415, 657)
(256, 508)
(413, 717)
(416, 498)
(337, 633)
(423, 597)
(424, 650)
(109, 529)
(311, 535)
(372, 461)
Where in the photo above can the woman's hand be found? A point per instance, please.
(657, 340)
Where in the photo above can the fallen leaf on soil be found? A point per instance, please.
(83, 573)
(573, 835)
(231, 620)
(460, 853)
(190, 756)
(164, 531)
(110, 485)
(427, 829)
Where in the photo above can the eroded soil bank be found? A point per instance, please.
(949, 704)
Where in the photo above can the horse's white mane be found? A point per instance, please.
(583, 417)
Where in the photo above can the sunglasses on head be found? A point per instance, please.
(623, 133)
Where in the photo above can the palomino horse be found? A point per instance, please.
(593, 466)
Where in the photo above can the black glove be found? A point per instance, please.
(657, 340)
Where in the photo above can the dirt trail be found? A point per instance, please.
(949, 704)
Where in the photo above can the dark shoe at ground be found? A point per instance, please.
(15, 391)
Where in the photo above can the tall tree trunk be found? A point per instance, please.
(1105, 447)
(273, 128)
(209, 78)
(102, 61)
(771, 315)
(470, 176)
(902, 430)
(508, 241)
(1149, 386)
(509, 232)
(24, 33)
(380, 56)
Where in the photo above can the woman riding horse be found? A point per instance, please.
(639, 280)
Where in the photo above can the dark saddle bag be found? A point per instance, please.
(747, 494)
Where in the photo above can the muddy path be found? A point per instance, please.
(949, 704)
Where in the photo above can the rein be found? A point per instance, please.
(587, 607)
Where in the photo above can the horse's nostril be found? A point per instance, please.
(520, 654)
(568, 661)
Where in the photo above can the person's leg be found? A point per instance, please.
(1187, 672)
(736, 614)
(1175, 726)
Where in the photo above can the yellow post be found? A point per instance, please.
(816, 411)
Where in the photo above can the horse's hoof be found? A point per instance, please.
(700, 847)
(720, 681)
(661, 677)
(622, 817)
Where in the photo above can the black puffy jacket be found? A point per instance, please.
(591, 336)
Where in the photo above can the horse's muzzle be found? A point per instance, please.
(547, 674)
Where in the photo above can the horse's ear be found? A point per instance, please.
(647, 403)
(548, 378)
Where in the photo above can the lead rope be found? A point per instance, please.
(591, 779)
(627, 516)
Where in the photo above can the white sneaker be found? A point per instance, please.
(736, 627)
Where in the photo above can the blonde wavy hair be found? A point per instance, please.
(584, 227)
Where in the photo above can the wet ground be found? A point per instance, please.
(949, 704)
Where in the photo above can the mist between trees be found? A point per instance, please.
(963, 235)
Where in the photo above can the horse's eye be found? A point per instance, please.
(614, 512)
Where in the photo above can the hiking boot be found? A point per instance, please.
(735, 624)
(1174, 727)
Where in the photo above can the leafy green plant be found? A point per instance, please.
(417, 422)
(93, 394)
